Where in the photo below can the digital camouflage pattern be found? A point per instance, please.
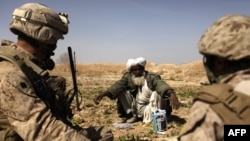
(39, 22)
(207, 124)
(25, 116)
(228, 38)
(33, 106)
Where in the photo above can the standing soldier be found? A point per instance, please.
(226, 50)
(32, 104)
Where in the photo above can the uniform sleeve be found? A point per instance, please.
(28, 115)
(203, 124)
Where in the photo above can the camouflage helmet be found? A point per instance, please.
(39, 22)
(228, 38)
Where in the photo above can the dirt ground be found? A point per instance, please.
(92, 79)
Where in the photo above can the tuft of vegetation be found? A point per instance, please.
(93, 79)
(132, 138)
(187, 92)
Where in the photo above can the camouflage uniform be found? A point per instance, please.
(24, 114)
(204, 122)
(30, 117)
(227, 101)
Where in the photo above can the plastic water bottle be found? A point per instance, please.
(159, 120)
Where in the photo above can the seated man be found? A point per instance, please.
(139, 93)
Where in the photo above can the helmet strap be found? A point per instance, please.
(48, 63)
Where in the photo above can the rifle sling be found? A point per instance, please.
(35, 74)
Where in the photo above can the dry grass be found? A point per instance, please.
(95, 78)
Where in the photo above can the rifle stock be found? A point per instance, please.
(73, 73)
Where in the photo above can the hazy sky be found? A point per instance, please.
(112, 31)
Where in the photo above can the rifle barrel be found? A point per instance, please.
(73, 72)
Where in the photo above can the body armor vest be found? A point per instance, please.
(233, 107)
(43, 86)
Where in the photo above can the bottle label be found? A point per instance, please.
(159, 121)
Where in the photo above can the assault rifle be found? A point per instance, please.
(75, 88)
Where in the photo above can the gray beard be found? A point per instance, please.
(139, 81)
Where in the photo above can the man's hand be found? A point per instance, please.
(98, 99)
(174, 101)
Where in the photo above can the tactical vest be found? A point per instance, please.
(9, 54)
(35, 74)
(233, 107)
(37, 77)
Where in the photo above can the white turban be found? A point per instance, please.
(134, 62)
